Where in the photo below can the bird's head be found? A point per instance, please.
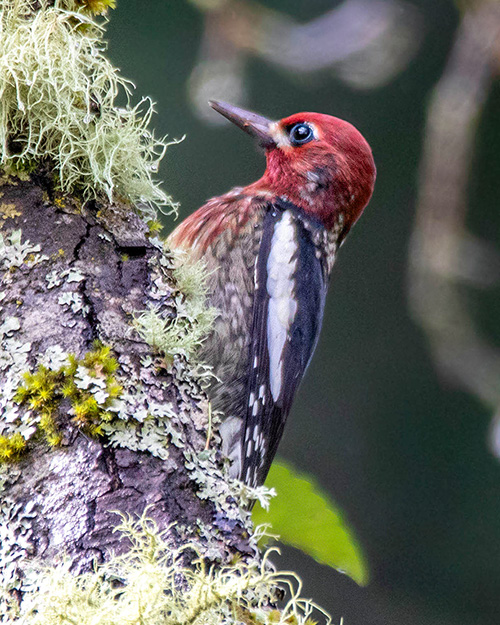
(318, 162)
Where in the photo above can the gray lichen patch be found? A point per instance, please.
(16, 542)
(14, 252)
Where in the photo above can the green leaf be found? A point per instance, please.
(305, 517)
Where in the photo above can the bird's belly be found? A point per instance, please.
(227, 351)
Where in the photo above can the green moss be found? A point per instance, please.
(57, 106)
(97, 7)
(11, 447)
(88, 383)
(21, 168)
(155, 227)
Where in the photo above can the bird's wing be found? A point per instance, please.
(289, 297)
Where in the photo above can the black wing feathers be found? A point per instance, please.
(266, 415)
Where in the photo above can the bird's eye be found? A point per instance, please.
(300, 134)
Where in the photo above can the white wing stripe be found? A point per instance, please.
(281, 265)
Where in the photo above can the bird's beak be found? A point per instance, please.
(256, 125)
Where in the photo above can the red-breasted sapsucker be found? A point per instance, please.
(270, 248)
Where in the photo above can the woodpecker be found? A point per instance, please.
(269, 248)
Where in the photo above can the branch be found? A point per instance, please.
(444, 257)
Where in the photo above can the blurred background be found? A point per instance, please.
(396, 417)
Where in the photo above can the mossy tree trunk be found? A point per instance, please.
(99, 416)
(108, 427)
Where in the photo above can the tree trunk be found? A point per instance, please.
(98, 441)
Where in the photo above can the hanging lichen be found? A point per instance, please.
(57, 106)
(156, 587)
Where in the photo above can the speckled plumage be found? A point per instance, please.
(269, 250)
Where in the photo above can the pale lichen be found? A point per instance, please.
(151, 584)
(16, 538)
(37, 386)
(14, 253)
(14, 423)
(57, 105)
(179, 332)
(123, 408)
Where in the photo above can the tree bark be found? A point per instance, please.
(82, 272)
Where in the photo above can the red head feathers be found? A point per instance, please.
(320, 163)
